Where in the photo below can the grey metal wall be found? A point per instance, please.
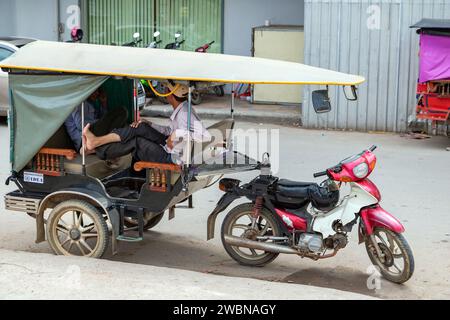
(7, 23)
(30, 18)
(241, 16)
(344, 35)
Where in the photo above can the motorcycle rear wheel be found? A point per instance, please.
(394, 247)
(266, 226)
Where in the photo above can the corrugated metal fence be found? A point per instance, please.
(115, 21)
(372, 39)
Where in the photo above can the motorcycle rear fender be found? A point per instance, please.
(223, 203)
(378, 217)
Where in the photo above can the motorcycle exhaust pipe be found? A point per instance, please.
(269, 247)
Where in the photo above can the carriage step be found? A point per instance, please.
(129, 239)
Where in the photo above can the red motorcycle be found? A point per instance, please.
(310, 219)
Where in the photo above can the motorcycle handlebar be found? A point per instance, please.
(320, 174)
(372, 148)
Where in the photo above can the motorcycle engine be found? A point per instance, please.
(310, 242)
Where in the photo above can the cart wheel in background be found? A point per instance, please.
(196, 97)
(76, 228)
(218, 90)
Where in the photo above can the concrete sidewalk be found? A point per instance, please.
(220, 108)
(25, 275)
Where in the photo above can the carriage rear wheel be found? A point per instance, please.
(76, 228)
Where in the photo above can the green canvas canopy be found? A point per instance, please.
(39, 106)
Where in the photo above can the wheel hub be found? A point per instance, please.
(388, 257)
(75, 234)
(250, 234)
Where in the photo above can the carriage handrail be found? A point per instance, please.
(141, 165)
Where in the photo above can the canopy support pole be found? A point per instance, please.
(135, 101)
(232, 100)
(83, 146)
(188, 156)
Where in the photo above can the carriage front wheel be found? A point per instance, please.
(76, 228)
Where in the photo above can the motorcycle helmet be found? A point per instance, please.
(76, 34)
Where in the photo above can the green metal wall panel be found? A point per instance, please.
(115, 21)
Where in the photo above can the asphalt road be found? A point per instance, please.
(412, 175)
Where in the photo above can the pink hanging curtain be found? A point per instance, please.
(434, 58)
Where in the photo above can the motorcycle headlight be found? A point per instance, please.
(361, 170)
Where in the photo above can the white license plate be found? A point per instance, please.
(33, 177)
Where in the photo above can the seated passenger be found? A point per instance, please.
(95, 114)
(148, 141)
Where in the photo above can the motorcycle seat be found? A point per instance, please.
(295, 189)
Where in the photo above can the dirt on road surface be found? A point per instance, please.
(412, 175)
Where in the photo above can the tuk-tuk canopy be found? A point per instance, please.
(143, 63)
(434, 49)
(49, 79)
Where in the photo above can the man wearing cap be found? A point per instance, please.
(151, 142)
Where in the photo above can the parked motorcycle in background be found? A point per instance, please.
(141, 95)
(155, 83)
(308, 219)
(176, 44)
(136, 40)
(156, 41)
(217, 88)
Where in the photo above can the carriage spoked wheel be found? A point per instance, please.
(76, 228)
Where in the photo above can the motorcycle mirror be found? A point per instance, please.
(136, 35)
(351, 93)
(156, 34)
(321, 101)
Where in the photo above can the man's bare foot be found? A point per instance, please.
(90, 138)
(86, 151)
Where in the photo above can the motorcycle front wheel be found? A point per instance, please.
(238, 223)
(397, 261)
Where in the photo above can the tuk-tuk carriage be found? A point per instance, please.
(433, 88)
(92, 202)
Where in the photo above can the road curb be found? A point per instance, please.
(25, 275)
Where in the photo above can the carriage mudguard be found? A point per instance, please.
(223, 203)
(93, 197)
